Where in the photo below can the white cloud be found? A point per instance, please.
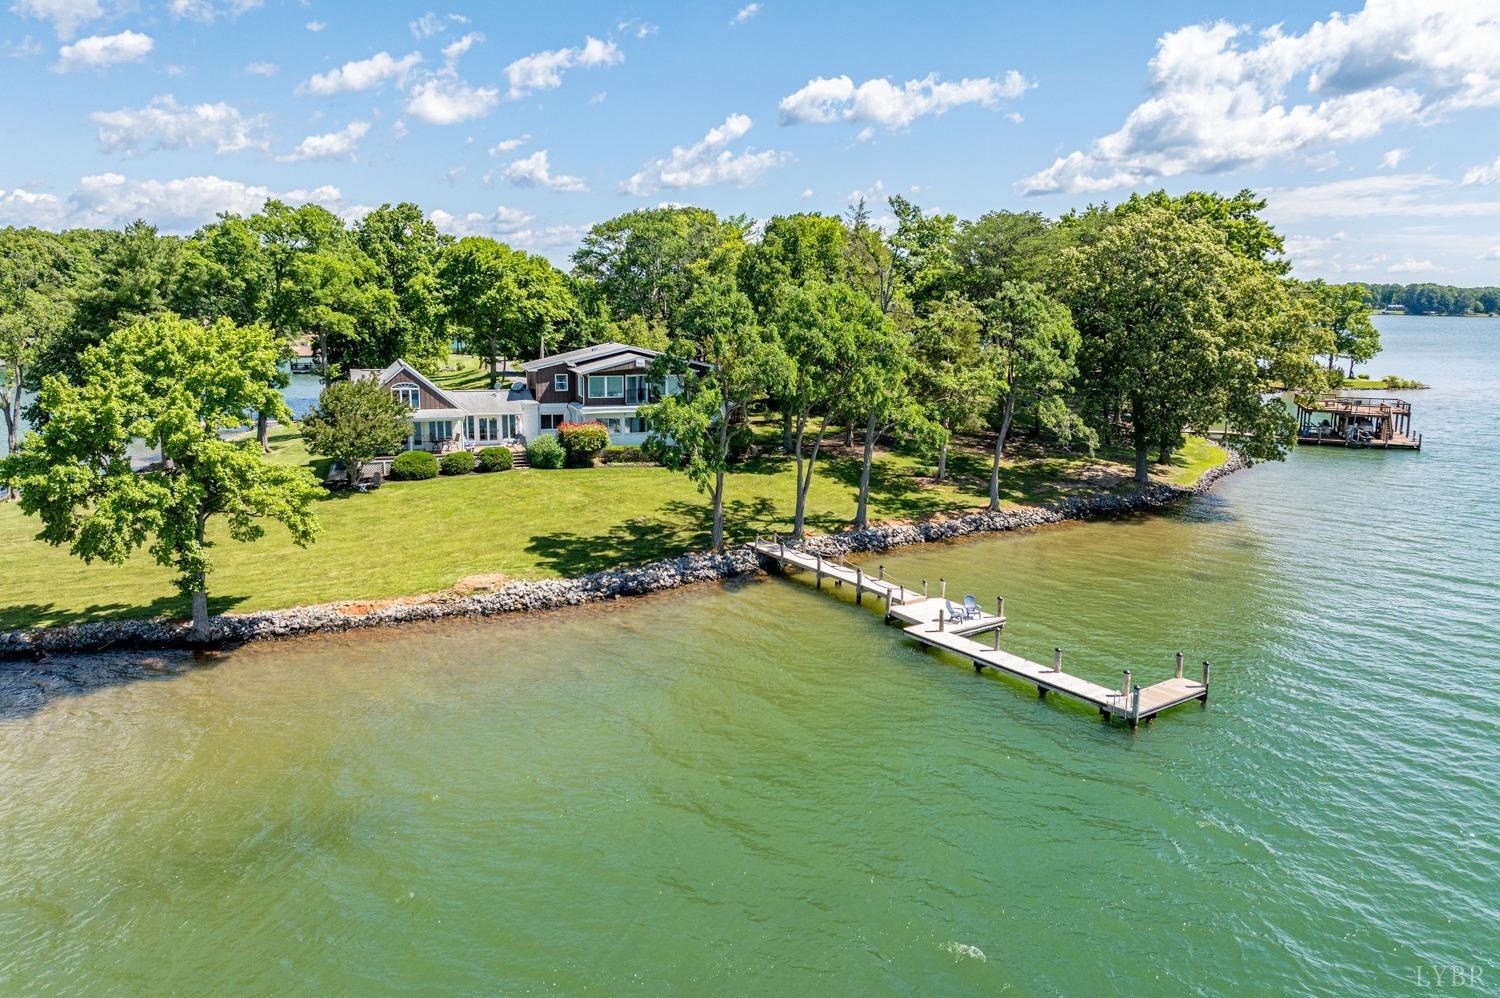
(1485, 173)
(882, 102)
(1215, 104)
(165, 124)
(109, 200)
(509, 145)
(543, 70)
(361, 74)
(430, 24)
(67, 16)
(707, 161)
(341, 144)
(1396, 194)
(1411, 266)
(746, 13)
(536, 171)
(502, 221)
(98, 51)
(266, 69)
(444, 100)
(315, 26)
(207, 10)
(1393, 158)
(806, 193)
(399, 129)
(26, 48)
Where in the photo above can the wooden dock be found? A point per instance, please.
(938, 623)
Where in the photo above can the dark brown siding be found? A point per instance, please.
(541, 385)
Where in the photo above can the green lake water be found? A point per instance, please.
(755, 788)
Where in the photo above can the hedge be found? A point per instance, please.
(545, 452)
(460, 462)
(627, 454)
(582, 442)
(414, 466)
(495, 459)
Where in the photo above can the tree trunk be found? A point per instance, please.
(718, 535)
(1165, 457)
(861, 513)
(200, 592)
(13, 409)
(323, 354)
(1005, 418)
(942, 469)
(804, 475)
(263, 432)
(786, 431)
(494, 361)
(849, 434)
(1351, 365)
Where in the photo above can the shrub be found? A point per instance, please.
(495, 459)
(625, 455)
(414, 466)
(582, 442)
(460, 462)
(545, 452)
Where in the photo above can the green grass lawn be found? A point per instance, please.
(415, 537)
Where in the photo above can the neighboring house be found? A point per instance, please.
(605, 383)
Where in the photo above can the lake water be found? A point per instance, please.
(756, 788)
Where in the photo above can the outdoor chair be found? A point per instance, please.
(956, 612)
(971, 607)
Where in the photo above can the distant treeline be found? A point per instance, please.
(1435, 299)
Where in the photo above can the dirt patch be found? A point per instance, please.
(485, 583)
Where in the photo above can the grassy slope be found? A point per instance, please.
(413, 537)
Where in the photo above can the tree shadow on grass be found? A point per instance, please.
(895, 493)
(173, 607)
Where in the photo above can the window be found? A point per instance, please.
(488, 427)
(550, 420)
(606, 386)
(469, 426)
(559, 382)
(439, 430)
(613, 424)
(507, 427)
(635, 424)
(409, 394)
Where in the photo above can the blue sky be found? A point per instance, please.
(1372, 128)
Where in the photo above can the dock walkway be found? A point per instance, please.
(938, 623)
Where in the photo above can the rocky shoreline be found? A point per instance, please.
(549, 594)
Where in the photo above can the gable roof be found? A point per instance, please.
(388, 374)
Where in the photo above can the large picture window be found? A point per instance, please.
(606, 386)
(409, 394)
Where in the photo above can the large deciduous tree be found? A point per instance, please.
(178, 383)
(823, 329)
(35, 269)
(1181, 329)
(502, 302)
(403, 246)
(951, 377)
(692, 432)
(1031, 345)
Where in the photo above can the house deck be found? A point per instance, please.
(927, 619)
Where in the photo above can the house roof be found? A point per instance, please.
(484, 402)
(387, 373)
(572, 358)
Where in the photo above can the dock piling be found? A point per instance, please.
(997, 637)
(1179, 665)
(1057, 660)
(1204, 697)
(819, 571)
(859, 587)
(942, 588)
(1000, 607)
(1135, 705)
(942, 617)
(882, 573)
(1125, 683)
(887, 606)
(924, 588)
